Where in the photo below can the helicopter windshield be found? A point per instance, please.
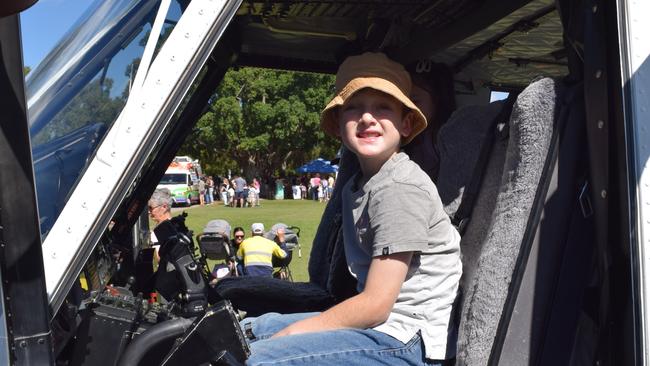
(80, 88)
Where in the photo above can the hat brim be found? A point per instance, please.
(330, 124)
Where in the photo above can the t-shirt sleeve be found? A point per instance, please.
(399, 217)
(278, 252)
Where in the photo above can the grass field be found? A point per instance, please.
(305, 214)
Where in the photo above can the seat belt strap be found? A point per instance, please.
(461, 218)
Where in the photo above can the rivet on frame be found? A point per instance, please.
(99, 179)
(603, 193)
(69, 229)
(594, 8)
(599, 73)
(601, 124)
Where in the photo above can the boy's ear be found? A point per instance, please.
(407, 123)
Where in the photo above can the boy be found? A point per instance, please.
(404, 254)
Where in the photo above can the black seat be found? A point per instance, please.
(502, 247)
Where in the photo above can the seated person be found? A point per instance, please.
(174, 240)
(407, 278)
(257, 252)
(159, 206)
(238, 236)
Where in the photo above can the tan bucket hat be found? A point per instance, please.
(376, 71)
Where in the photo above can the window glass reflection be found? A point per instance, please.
(73, 102)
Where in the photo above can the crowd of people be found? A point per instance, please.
(318, 188)
(238, 192)
(253, 256)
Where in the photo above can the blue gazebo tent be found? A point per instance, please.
(319, 165)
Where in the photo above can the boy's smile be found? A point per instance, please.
(372, 124)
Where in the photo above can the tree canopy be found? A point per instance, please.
(263, 122)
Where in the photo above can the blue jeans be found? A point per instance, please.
(336, 347)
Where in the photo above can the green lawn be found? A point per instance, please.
(305, 214)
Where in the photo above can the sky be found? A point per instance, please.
(43, 25)
(495, 95)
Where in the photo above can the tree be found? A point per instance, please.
(92, 105)
(265, 122)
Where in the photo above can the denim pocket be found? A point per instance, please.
(409, 347)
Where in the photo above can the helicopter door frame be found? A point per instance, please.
(129, 141)
(25, 334)
(635, 79)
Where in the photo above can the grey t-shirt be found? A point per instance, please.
(399, 210)
(239, 184)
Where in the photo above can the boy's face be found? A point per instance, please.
(372, 124)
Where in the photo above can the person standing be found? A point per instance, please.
(319, 190)
(240, 184)
(314, 183)
(325, 184)
(253, 196)
(223, 191)
(209, 184)
(231, 196)
(201, 191)
(303, 187)
(257, 185)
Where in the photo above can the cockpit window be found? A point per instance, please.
(79, 90)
